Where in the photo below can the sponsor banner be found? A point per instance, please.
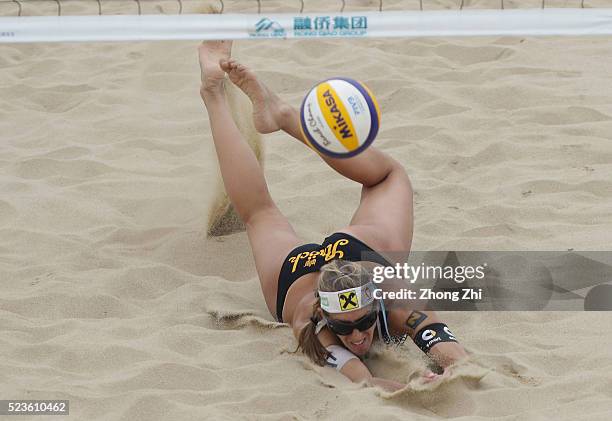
(446, 23)
(318, 25)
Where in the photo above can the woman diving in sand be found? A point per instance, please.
(337, 324)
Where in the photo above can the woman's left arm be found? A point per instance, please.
(429, 333)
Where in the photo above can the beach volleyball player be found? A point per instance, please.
(323, 291)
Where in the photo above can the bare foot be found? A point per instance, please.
(211, 53)
(268, 109)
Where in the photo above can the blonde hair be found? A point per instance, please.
(335, 276)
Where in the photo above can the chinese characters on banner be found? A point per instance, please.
(330, 25)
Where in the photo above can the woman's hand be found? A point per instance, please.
(429, 376)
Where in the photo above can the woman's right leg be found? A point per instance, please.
(384, 218)
(270, 234)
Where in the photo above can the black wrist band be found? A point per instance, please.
(433, 334)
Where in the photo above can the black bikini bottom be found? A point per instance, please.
(309, 258)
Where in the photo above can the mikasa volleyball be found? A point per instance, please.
(340, 117)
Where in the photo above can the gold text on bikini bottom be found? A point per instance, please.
(329, 252)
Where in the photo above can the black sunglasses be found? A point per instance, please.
(343, 328)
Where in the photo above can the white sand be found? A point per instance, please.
(113, 297)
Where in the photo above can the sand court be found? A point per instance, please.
(114, 297)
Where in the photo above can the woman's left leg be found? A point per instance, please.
(270, 234)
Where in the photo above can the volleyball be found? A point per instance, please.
(340, 117)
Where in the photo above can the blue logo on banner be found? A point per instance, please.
(267, 28)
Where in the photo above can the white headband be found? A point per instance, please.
(348, 299)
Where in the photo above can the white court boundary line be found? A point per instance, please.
(446, 23)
